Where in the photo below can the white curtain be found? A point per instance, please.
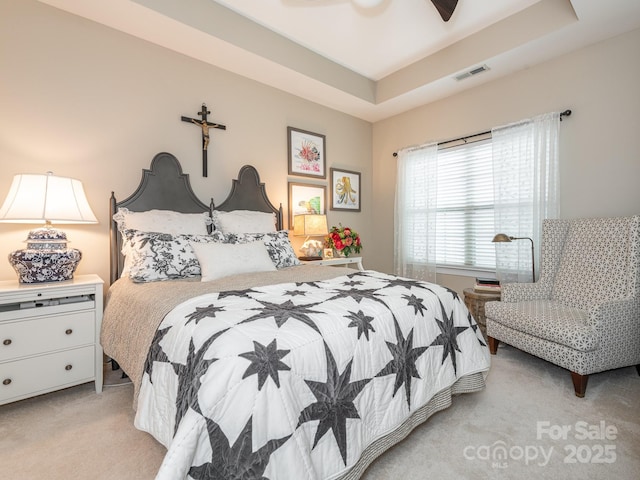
(525, 172)
(415, 213)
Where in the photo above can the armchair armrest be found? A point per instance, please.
(522, 292)
(617, 324)
(611, 313)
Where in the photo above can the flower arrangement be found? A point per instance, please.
(344, 240)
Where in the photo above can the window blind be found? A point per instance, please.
(465, 206)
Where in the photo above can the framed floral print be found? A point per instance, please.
(307, 155)
(345, 190)
(305, 198)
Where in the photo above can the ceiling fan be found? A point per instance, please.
(445, 7)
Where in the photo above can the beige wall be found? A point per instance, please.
(599, 146)
(86, 101)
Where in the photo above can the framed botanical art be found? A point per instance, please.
(307, 155)
(305, 198)
(345, 190)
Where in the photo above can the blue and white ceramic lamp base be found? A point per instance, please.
(46, 258)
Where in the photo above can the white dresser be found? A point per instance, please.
(49, 336)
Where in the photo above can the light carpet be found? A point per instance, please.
(527, 424)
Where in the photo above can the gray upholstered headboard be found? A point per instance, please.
(248, 193)
(165, 187)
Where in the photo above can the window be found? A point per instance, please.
(450, 201)
(459, 198)
(464, 207)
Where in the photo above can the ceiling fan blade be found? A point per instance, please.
(445, 8)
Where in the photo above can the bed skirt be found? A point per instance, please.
(440, 401)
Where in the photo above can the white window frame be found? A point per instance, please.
(453, 153)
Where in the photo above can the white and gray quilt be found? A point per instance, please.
(295, 380)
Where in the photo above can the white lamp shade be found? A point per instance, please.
(367, 3)
(309, 225)
(46, 198)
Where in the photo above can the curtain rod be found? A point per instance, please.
(566, 113)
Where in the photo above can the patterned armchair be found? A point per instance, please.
(584, 312)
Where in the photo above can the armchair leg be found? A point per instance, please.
(638, 369)
(579, 383)
(493, 345)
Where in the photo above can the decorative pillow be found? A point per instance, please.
(278, 246)
(244, 221)
(163, 221)
(159, 256)
(218, 260)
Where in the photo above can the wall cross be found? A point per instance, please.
(205, 126)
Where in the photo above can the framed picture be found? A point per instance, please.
(305, 198)
(327, 253)
(306, 153)
(345, 190)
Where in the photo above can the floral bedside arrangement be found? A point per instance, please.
(343, 240)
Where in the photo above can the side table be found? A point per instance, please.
(339, 261)
(49, 336)
(475, 303)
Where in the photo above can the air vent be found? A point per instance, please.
(472, 72)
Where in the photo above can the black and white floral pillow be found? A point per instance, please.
(161, 256)
(278, 245)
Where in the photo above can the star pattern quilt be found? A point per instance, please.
(295, 380)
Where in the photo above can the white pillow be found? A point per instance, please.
(163, 221)
(244, 221)
(152, 256)
(218, 260)
(278, 245)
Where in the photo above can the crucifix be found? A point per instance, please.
(205, 126)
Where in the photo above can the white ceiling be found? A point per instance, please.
(370, 63)
(373, 42)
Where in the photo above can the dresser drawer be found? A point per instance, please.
(41, 335)
(45, 291)
(35, 375)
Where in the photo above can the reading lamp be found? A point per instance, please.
(46, 199)
(311, 226)
(503, 237)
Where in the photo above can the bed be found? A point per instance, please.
(293, 372)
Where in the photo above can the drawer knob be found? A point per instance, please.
(68, 367)
(6, 381)
(68, 331)
(7, 342)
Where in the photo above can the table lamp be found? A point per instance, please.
(310, 226)
(46, 199)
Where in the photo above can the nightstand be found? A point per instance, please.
(49, 336)
(475, 303)
(339, 261)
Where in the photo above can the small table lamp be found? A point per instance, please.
(46, 199)
(310, 226)
(503, 237)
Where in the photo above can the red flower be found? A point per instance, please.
(343, 239)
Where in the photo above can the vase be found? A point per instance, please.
(339, 253)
